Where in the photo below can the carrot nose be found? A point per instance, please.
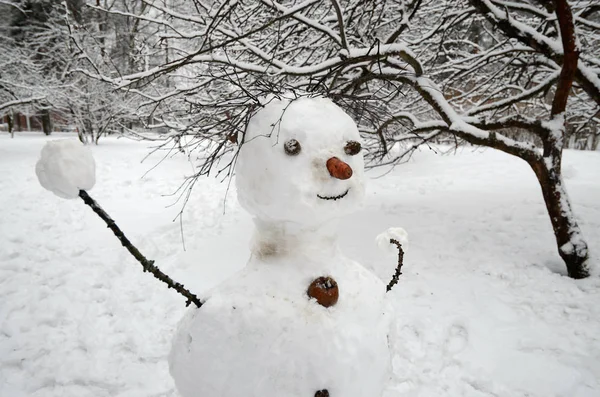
(338, 169)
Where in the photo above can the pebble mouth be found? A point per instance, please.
(333, 197)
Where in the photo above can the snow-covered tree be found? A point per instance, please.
(29, 65)
(44, 45)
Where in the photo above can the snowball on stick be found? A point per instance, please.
(65, 167)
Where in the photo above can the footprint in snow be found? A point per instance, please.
(78, 253)
(457, 340)
(16, 240)
(12, 255)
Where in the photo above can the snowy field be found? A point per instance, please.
(483, 307)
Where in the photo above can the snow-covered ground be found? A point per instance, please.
(483, 306)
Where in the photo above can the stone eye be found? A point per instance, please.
(352, 148)
(292, 147)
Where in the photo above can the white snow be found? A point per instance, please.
(259, 334)
(483, 307)
(65, 167)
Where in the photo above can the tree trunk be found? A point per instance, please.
(10, 122)
(88, 130)
(572, 248)
(81, 136)
(19, 122)
(46, 122)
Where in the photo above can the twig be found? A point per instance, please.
(148, 265)
(398, 272)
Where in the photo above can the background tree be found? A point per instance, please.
(44, 44)
(23, 73)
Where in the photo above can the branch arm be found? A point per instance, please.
(148, 265)
(398, 272)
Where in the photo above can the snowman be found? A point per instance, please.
(300, 319)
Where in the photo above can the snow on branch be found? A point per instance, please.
(455, 123)
(23, 101)
(528, 35)
(523, 95)
(354, 56)
(293, 12)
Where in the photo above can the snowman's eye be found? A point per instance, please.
(352, 148)
(292, 147)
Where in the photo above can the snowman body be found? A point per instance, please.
(259, 333)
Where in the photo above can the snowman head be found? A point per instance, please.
(300, 162)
